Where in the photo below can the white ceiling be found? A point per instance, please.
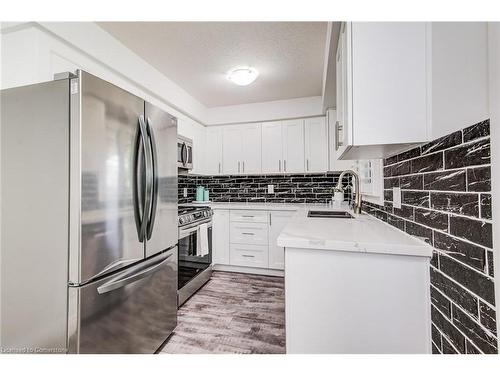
(197, 55)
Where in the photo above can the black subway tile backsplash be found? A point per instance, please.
(446, 200)
(479, 179)
(458, 203)
(445, 181)
(294, 188)
(453, 139)
(479, 232)
(476, 131)
(429, 163)
(412, 182)
(486, 206)
(415, 198)
(449, 331)
(474, 281)
(476, 153)
(465, 252)
(433, 219)
(484, 340)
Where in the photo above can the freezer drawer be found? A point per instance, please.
(132, 311)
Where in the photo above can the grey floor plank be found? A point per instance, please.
(232, 313)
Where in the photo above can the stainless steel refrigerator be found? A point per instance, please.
(89, 219)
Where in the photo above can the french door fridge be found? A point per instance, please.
(112, 164)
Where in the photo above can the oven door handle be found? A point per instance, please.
(184, 232)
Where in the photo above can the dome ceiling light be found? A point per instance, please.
(243, 76)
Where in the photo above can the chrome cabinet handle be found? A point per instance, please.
(248, 233)
(279, 165)
(307, 163)
(238, 167)
(219, 167)
(248, 256)
(121, 282)
(247, 216)
(243, 166)
(284, 165)
(338, 142)
(270, 219)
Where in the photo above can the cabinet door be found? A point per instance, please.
(293, 146)
(272, 147)
(213, 151)
(389, 82)
(251, 147)
(220, 247)
(231, 150)
(316, 144)
(277, 221)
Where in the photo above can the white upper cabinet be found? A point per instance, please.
(231, 150)
(251, 160)
(272, 147)
(383, 81)
(241, 149)
(293, 146)
(283, 146)
(213, 151)
(316, 144)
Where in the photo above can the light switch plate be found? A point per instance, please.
(270, 189)
(185, 192)
(396, 197)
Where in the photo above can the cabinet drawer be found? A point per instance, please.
(248, 233)
(250, 216)
(249, 255)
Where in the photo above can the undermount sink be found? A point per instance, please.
(330, 214)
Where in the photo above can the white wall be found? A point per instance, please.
(494, 106)
(459, 76)
(265, 111)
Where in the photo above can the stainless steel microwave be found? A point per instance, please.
(184, 152)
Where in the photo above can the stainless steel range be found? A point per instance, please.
(195, 249)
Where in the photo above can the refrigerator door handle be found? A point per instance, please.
(138, 201)
(142, 220)
(121, 282)
(154, 176)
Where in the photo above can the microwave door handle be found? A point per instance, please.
(121, 282)
(184, 156)
(154, 176)
(147, 191)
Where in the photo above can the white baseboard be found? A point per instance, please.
(251, 270)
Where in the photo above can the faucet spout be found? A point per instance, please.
(357, 199)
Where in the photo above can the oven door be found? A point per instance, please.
(190, 262)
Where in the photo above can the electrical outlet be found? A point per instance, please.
(185, 192)
(270, 189)
(396, 197)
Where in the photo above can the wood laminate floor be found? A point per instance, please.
(232, 313)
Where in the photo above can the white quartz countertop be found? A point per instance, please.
(364, 234)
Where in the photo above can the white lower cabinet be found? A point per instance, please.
(248, 238)
(249, 233)
(278, 220)
(247, 255)
(220, 246)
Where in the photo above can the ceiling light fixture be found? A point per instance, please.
(243, 76)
